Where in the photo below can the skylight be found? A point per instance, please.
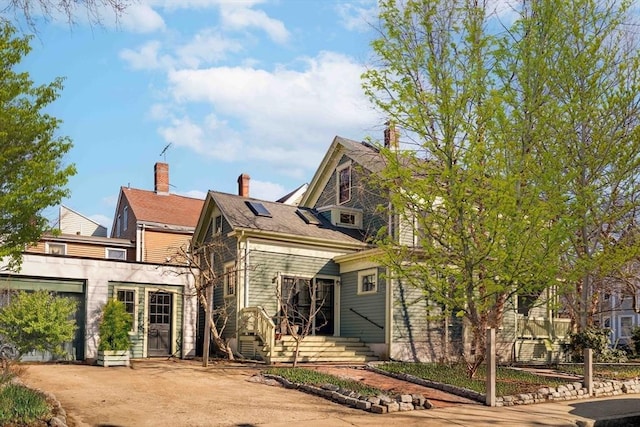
(308, 217)
(258, 209)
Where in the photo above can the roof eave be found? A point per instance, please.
(286, 237)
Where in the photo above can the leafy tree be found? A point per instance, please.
(38, 321)
(519, 173)
(32, 173)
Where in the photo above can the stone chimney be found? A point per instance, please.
(391, 139)
(161, 178)
(243, 185)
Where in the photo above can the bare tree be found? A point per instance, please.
(208, 277)
(300, 310)
(31, 10)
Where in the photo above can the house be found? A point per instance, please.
(266, 249)
(81, 263)
(619, 306)
(157, 222)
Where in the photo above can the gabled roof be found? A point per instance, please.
(294, 197)
(284, 220)
(168, 209)
(362, 153)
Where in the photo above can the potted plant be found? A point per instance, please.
(114, 329)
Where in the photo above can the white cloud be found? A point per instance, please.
(208, 46)
(103, 220)
(198, 4)
(358, 16)
(266, 190)
(146, 57)
(141, 18)
(281, 117)
(240, 18)
(196, 194)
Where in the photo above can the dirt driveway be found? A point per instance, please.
(183, 393)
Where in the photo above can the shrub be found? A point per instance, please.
(635, 338)
(596, 339)
(38, 321)
(115, 326)
(20, 405)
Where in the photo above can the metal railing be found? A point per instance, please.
(256, 321)
(544, 328)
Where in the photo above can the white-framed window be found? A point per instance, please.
(116, 253)
(626, 325)
(129, 297)
(343, 179)
(230, 279)
(217, 224)
(56, 248)
(125, 217)
(368, 281)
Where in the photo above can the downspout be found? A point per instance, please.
(246, 271)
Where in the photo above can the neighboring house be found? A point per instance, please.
(80, 262)
(157, 222)
(619, 308)
(266, 248)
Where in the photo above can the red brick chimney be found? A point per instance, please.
(161, 178)
(391, 136)
(243, 185)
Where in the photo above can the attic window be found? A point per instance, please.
(308, 217)
(258, 209)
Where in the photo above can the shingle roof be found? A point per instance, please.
(171, 209)
(284, 219)
(363, 153)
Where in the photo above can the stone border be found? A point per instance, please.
(381, 404)
(569, 391)
(460, 391)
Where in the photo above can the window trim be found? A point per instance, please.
(620, 334)
(230, 266)
(124, 251)
(339, 170)
(134, 324)
(365, 273)
(62, 245)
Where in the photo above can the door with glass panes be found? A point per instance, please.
(159, 335)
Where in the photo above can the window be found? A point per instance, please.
(229, 280)
(347, 218)
(626, 324)
(344, 183)
(118, 226)
(368, 281)
(120, 254)
(217, 225)
(128, 298)
(125, 217)
(56, 248)
(258, 209)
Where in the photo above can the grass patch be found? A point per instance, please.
(20, 405)
(613, 372)
(508, 382)
(311, 377)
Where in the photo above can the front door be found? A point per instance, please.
(159, 335)
(324, 300)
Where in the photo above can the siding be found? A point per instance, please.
(371, 306)
(363, 197)
(74, 223)
(158, 246)
(85, 250)
(417, 334)
(138, 337)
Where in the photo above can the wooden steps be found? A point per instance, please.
(320, 349)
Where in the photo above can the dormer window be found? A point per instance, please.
(344, 183)
(343, 216)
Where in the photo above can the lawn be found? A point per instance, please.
(608, 371)
(312, 377)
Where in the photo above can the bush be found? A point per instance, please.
(596, 339)
(115, 326)
(38, 321)
(635, 338)
(20, 405)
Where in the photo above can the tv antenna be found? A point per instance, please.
(163, 153)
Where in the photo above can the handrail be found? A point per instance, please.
(256, 321)
(366, 318)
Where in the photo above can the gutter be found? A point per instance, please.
(285, 237)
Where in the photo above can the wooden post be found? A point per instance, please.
(206, 337)
(588, 370)
(491, 367)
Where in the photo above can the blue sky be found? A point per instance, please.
(257, 87)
